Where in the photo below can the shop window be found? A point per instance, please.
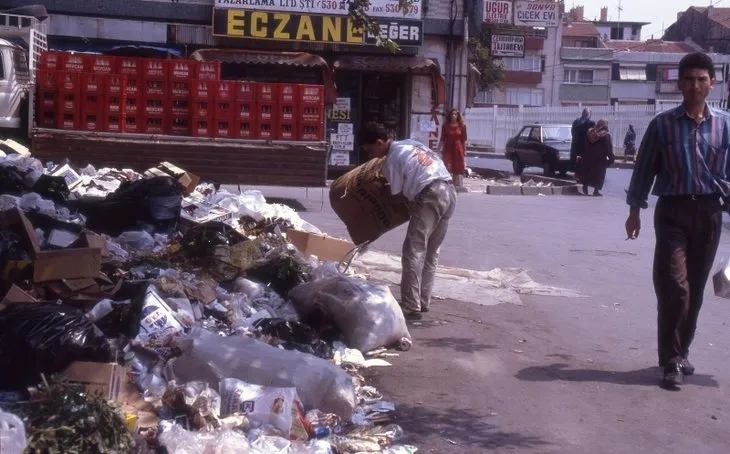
(578, 76)
(534, 97)
(670, 74)
(633, 73)
(531, 63)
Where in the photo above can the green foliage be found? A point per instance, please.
(362, 20)
(492, 74)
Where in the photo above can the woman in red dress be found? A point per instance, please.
(453, 145)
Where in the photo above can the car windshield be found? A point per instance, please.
(557, 133)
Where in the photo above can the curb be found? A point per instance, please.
(493, 155)
(573, 189)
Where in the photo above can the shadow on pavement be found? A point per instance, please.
(649, 376)
(457, 427)
(459, 344)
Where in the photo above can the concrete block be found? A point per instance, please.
(504, 190)
(535, 190)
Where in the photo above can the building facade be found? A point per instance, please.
(709, 27)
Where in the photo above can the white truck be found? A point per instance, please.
(222, 161)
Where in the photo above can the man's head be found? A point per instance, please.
(586, 113)
(696, 77)
(374, 139)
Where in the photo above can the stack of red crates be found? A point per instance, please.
(130, 68)
(154, 91)
(311, 112)
(180, 78)
(244, 115)
(267, 101)
(201, 105)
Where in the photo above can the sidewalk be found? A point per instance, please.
(490, 153)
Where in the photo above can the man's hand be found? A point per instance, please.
(633, 225)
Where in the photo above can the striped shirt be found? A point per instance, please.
(685, 157)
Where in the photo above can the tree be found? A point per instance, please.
(362, 20)
(492, 74)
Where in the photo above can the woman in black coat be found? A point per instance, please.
(596, 156)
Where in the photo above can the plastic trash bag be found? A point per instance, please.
(367, 314)
(281, 269)
(261, 404)
(721, 278)
(211, 358)
(180, 441)
(53, 188)
(136, 240)
(12, 434)
(45, 338)
(295, 336)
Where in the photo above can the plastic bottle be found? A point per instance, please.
(12, 434)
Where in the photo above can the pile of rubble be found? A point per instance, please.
(152, 313)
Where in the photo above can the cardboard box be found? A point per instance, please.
(189, 181)
(16, 295)
(324, 247)
(108, 379)
(70, 263)
(361, 198)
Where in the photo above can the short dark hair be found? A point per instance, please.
(696, 60)
(371, 132)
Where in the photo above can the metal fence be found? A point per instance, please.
(492, 127)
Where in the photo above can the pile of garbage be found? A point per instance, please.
(151, 313)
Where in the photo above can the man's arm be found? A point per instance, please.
(393, 173)
(645, 170)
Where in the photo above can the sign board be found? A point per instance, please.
(244, 23)
(508, 46)
(340, 158)
(537, 13)
(498, 12)
(377, 8)
(344, 142)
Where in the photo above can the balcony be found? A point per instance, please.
(586, 53)
(584, 93)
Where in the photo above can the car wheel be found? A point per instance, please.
(547, 169)
(517, 166)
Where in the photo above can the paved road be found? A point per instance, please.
(555, 375)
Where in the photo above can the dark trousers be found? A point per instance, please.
(687, 235)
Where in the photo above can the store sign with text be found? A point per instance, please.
(498, 12)
(377, 8)
(537, 13)
(508, 46)
(239, 23)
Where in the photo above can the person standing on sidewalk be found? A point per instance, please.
(630, 144)
(453, 146)
(578, 132)
(596, 157)
(414, 170)
(686, 150)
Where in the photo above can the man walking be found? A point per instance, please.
(686, 150)
(413, 169)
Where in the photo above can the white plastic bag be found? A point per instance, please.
(261, 404)
(721, 278)
(12, 434)
(211, 358)
(180, 441)
(367, 314)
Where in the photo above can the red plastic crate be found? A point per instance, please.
(287, 113)
(311, 113)
(181, 70)
(245, 91)
(286, 130)
(266, 93)
(133, 87)
(69, 82)
(224, 110)
(47, 99)
(180, 125)
(114, 123)
(115, 104)
(154, 106)
(154, 87)
(46, 118)
(201, 109)
(154, 124)
(287, 93)
(224, 128)
(47, 79)
(311, 132)
(310, 94)
(128, 66)
(92, 84)
(52, 60)
(203, 90)
(179, 89)
(68, 120)
(69, 102)
(266, 112)
(154, 68)
(100, 64)
(246, 129)
(133, 124)
(208, 70)
(266, 130)
(116, 85)
(74, 63)
(132, 106)
(201, 127)
(92, 102)
(244, 111)
(91, 121)
(225, 90)
(180, 107)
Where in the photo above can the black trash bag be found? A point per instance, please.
(12, 181)
(151, 204)
(201, 240)
(45, 338)
(295, 336)
(52, 188)
(281, 270)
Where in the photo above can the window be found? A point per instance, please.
(583, 43)
(484, 97)
(578, 76)
(525, 133)
(531, 63)
(633, 73)
(671, 74)
(525, 96)
(718, 74)
(617, 33)
(556, 133)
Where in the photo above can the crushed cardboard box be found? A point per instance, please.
(106, 379)
(323, 247)
(187, 180)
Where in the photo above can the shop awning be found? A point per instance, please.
(396, 64)
(252, 57)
